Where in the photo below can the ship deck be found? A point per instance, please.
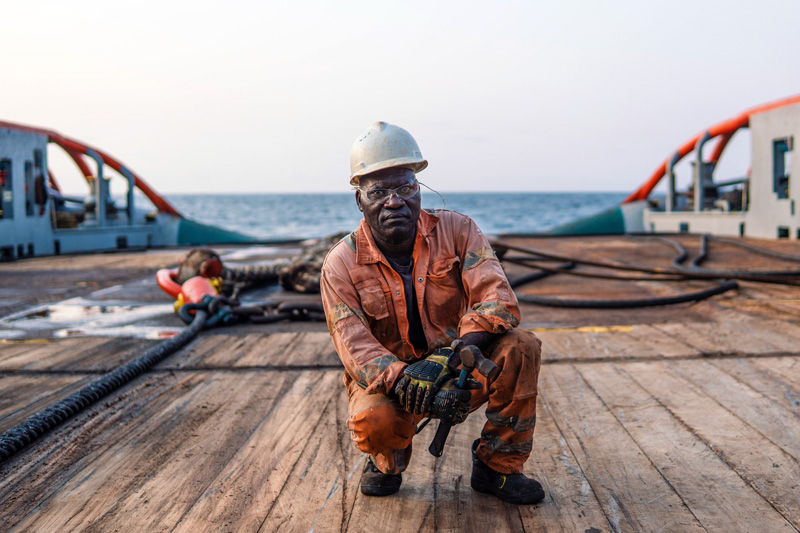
(676, 418)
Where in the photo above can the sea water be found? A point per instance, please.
(307, 215)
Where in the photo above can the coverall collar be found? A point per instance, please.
(368, 252)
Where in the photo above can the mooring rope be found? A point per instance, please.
(48, 418)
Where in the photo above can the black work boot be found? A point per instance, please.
(376, 483)
(511, 488)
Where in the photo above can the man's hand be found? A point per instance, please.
(422, 380)
(481, 339)
(451, 404)
(429, 387)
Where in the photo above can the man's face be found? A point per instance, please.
(390, 218)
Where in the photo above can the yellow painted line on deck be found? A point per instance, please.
(25, 341)
(589, 329)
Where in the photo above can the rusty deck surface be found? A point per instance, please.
(678, 418)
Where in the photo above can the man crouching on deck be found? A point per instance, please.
(397, 292)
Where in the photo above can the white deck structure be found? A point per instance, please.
(768, 202)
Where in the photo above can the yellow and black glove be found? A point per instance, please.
(429, 387)
(421, 380)
(451, 404)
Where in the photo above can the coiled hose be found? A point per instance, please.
(628, 304)
(694, 265)
(725, 286)
(40, 423)
(756, 249)
(533, 276)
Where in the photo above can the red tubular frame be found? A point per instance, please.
(724, 130)
(77, 150)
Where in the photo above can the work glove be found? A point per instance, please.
(429, 386)
(417, 387)
(451, 404)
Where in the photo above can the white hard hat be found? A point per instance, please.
(384, 146)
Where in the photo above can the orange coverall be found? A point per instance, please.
(460, 288)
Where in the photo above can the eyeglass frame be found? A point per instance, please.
(391, 192)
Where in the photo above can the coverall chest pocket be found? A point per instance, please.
(443, 292)
(373, 301)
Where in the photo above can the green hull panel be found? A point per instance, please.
(608, 222)
(194, 233)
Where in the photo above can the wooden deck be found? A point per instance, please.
(681, 418)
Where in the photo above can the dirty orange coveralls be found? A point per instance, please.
(460, 288)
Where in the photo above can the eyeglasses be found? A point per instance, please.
(404, 192)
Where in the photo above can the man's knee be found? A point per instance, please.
(519, 349)
(379, 428)
(518, 354)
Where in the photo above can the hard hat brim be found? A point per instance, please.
(414, 164)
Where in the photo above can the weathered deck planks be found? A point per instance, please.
(244, 491)
(42, 280)
(678, 419)
(770, 377)
(276, 350)
(633, 494)
(773, 473)
(714, 494)
(326, 473)
(23, 395)
(780, 426)
(570, 504)
(189, 437)
(94, 355)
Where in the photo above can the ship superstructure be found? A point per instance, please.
(37, 219)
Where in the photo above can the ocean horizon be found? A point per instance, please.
(305, 215)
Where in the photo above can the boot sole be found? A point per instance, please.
(522, 499)
(379, 491)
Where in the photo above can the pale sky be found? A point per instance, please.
(246, 96)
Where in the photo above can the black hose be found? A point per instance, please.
(38, 424)
(695, 263)
(622, 304)
(627, 304)
(677, 270)
(768, 276)
(601, 264)
(757, 250)
(533, 276)
(269, 319)
(562, 269)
